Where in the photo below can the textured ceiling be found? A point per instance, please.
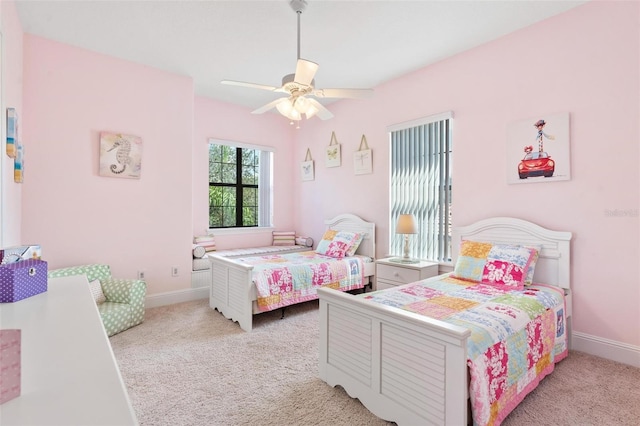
(358, 44)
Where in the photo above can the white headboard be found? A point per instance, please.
(554, 261)
(353, 223)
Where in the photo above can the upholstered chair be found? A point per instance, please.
(120, 301)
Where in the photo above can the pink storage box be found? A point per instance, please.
(22, 279)
(10, 344)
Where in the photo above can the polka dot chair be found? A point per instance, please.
(124, 305)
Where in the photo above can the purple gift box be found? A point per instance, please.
(10, 343)
(22, 279)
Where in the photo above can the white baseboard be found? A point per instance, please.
(605, 348)
(178, 296)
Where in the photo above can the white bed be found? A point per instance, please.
(233, 291)
(360, 340)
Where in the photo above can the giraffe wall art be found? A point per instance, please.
(538, 149)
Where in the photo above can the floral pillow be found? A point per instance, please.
(338, 243)
(528, 280)
(501, 265)
(356, 243)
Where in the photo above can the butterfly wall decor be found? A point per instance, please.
(333, 157)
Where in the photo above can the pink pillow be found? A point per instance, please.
(338, 243)
(501, 265)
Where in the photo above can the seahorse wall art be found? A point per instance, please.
(120, 155)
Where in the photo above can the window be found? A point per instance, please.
(421, 185)
(239, 185)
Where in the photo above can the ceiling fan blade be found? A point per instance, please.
(343, 93)
(305, 71)
(251, 85)
(320, 110)
(268, 106)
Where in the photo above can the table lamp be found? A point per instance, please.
(406, 225)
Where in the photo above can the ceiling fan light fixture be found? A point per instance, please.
(287, 109)
(301, 104)
(311, 111)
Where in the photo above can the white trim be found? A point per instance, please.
(3, 141)
(605, 348)
(179, 296)
(420, 121)
(247, 230)
(265, 189)
(201, 278)
(236, 144)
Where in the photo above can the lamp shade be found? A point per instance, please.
(406, 224)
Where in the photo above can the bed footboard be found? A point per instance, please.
(403, 367)
(232, 290)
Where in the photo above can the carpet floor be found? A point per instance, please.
(188, 365)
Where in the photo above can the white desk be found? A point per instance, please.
(69, 373)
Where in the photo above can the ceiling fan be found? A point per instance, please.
(299, 87)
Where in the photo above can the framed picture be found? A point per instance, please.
(307, 167)
(18, 164)
(538, 149)
(362, 159)
(12, 132)
(120, 155)
(333, 154)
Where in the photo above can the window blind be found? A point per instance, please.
(421, 185)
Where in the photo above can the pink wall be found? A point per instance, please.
(70, 95)
(10, 205)
(585, 62)
(79, 217)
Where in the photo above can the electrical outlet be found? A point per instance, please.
(141, 275)
(174, 271)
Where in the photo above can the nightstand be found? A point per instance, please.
(390, 274)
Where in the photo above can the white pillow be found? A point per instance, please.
(198, 251)
(96, 291)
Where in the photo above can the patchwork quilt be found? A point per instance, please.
(286, 279)
(517, 336)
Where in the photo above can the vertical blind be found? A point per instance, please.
(265, 193)
(421, 185)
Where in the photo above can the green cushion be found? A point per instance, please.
(116, 317)
(93, 272)
(124, 307)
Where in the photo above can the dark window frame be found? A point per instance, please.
(239, 186)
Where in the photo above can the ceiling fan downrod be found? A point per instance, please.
(298, 6)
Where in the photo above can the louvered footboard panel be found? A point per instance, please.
(404, 367)
(219, 291)
(231, 291)
(350, 345)
(413, 372)
(237, 290)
